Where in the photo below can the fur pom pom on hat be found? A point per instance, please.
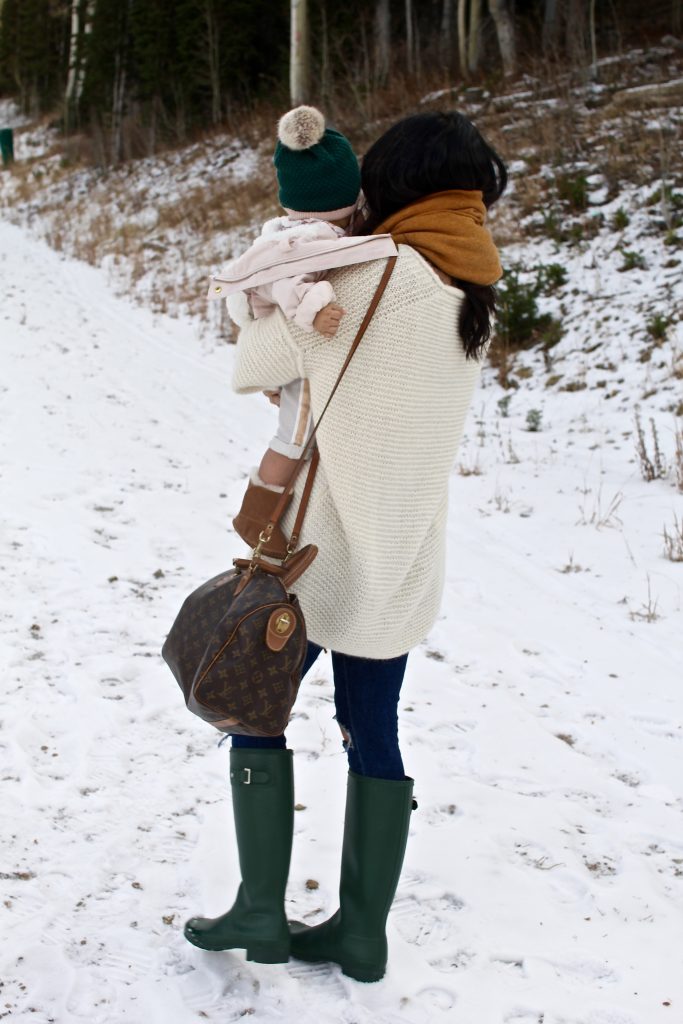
(301, 128)
(317, 170)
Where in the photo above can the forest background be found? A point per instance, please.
(132, 76)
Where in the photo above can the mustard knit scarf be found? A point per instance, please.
(447, 228)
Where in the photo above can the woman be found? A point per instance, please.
(378, 515)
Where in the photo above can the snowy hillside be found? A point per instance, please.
(542, 719)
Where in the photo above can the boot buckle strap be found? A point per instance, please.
(248, 777)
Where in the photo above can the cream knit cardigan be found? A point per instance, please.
(387, 445)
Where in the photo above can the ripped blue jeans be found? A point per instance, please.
(366, 692)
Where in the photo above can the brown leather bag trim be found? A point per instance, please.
(276, 640)
(288, 571)
(298, 564)
(303, 504)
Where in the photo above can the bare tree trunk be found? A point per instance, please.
(82, 12)
(594, 48)
(367, 67)
(462, 37)
(676, 16)
(300, 62)
(445, 34)
(120, 84)
(473, 36)
(73, 51)
(550, 26)
(213, 57)
(410, 41)
(180, 118)
(324, 56)
(417, 60)
(152, 126)
(575, 31)
(117, 108)
(382, 40)
(505, 31)
(87, 30)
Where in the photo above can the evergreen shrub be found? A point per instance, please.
(573, 190)
(520, 323)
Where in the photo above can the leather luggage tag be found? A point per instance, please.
(281, 625)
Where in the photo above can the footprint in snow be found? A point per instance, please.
(585, 972)
(411, 880)
(437, 998)
(423, 922)
(460, 959)
(220, 981)
(524, 1016)
(128, 965)
(509, 964)
(442, 814)
(324, 978)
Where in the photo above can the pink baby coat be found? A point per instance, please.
(285, 266)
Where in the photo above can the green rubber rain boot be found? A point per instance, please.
(375, 836)
(263, 806)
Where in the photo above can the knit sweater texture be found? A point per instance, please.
(387, 445)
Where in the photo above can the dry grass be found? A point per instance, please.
(503, 358)
(221, 207)
(652, 465)
(673, 540)
(678, 458)
(571, 566)
(648, 609)
(470, 466)
(596, 514)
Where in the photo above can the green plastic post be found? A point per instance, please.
(7, 146)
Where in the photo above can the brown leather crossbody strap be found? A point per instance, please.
(303, 504)
(281, 505)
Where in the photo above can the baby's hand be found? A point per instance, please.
(273, 396)
(328, 319)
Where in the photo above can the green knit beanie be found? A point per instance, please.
(317, 170)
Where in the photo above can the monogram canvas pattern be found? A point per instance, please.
(217, 652)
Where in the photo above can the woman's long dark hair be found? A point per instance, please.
(428, 153)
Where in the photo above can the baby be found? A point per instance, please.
(319, 185)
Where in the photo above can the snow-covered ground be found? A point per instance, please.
(542, 719)
(155, 225)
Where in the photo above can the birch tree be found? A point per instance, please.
(505, 32)
(300, 59)
(473, 36)
(469, 19)
(81, 26)
(74, 33)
